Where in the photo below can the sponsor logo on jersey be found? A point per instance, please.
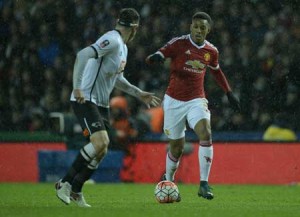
(104, 43)
(207, 57)
(194, 66)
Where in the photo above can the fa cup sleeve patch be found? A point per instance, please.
(104, 43)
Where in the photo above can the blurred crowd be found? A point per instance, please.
(258, 41)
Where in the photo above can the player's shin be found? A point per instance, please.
(84, 175)
(172, 164)
(86, 154)
(205, 155)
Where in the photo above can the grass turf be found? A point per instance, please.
(132, 200)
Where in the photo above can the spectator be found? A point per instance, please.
(124, 136)
(280, 130)
(35, 34)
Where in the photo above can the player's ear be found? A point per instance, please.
(208, 29)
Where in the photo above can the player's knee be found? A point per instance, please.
(100, 142)
(176, 148)
(100, 155)
(203, 132)
(176, 153)
(207, 133)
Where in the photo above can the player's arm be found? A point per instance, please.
(146, 97)
(155, 58)
(169, 50)
(100, 48)
(220, 78)
(82, 58)
(123, 84)
(223, 83)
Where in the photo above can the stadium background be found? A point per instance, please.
(259, 46)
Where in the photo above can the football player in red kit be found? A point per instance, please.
(185, 101)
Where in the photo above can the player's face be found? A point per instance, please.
(199, 30)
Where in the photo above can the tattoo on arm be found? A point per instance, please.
(125, 86)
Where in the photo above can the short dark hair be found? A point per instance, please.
(203, 16)
(129, 17)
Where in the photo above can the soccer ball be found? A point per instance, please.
(166, 192)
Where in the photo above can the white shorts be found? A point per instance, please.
(177, 113)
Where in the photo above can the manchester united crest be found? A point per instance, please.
(207, 57)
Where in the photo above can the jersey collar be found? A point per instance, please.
(118, 32)
(197, 46)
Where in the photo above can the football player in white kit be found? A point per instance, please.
(97, 70)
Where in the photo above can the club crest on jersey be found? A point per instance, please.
(96, 124)
(207, 57)
(104, 43)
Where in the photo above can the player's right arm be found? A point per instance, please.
(167, 51)
(101, 47)
(82, 58)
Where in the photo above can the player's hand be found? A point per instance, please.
(149, 99)
(154, 59)
(79, 96)
(234, 102)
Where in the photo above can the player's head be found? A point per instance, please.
(129, 19)
(200, 27)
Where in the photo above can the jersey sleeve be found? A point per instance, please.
(169, 49)
(104, 45)
(214, 63)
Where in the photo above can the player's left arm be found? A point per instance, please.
(222, 81)
(148, 98)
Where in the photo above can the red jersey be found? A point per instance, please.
(188, 66)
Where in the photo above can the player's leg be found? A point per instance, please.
(173, 157)
(85, 174)
(199, 120)
(92, 123)
(174, 128)
(205, 155)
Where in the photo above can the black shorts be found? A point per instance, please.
(91, 117)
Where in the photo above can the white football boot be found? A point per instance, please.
(63, 191)
(78, 198)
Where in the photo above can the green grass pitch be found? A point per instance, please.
(132, 200)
